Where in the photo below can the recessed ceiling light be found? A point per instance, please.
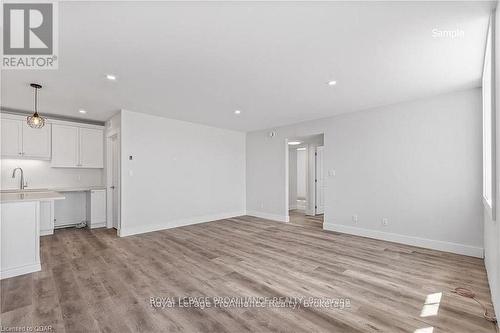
(237, 112)
(303, 148)
(111, 77)
(82, 111)
(332, 83)
(294, 143)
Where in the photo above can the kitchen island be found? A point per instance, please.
(20, 230)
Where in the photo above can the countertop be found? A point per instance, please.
(30, 196)
(56, 189)
(77, 189)
(42, 194)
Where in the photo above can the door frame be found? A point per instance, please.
(311, 173)
(112, 136)
(322, 148)
(311, 176)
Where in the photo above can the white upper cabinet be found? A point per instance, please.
(36, 141)
(11, 135)
(65, 146)
(76, 146)
(21, 141)
(91, 148)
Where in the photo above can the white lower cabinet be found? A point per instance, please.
(20, 239)
(46, 218)
(96, 208)
(81, 205)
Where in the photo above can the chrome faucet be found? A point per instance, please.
(22, 184)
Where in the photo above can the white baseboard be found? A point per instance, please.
(16, 271)
(97, 225)
(140, 229)
(267, 216)
(46, 232)
(291, 207)
(432, 244)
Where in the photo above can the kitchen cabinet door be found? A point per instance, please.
(46, 218)
(91, 148)
(65, 146)
(36, 142)
(96, 208)
(11, 136)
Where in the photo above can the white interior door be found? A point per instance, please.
(320, 183)
(115, 180)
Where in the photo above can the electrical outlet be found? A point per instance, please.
(355, 218)
(385, 221)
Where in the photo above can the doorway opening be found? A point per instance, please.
(306, 185)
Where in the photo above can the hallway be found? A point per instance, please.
(298, 217)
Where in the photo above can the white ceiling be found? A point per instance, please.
(201, 61)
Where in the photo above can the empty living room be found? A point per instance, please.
(250, 166)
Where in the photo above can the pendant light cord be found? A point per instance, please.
(36, 100)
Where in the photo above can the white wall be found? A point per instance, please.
(416, 163)
(492, 228)
(39, 174)
(181, 173)
(292, 178)
(113, 125)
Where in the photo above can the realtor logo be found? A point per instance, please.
(30, 35)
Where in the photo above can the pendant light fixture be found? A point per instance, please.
(35, 121)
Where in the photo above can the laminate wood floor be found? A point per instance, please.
(298, 217)
(94, 281)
